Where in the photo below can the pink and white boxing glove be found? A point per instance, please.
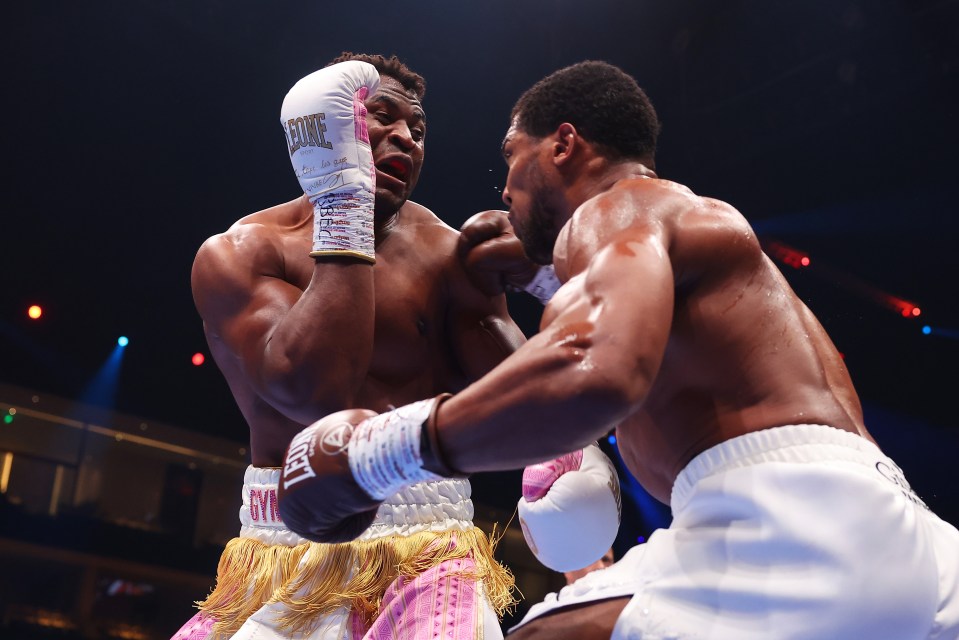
(571, 509)
(324, 118)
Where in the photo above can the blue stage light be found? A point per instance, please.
(123, 341)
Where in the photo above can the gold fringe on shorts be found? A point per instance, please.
(352, 575)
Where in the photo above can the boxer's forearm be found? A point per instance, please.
(317, 357)
(545, 400)
(586, 371)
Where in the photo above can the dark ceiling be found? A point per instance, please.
(137, 129)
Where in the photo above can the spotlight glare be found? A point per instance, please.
(612, 439)
(35, 311)
(916, 311)
(926, 330)
(123, 341)
(198, 359)
(804, 261)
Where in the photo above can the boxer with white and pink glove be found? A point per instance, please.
(571, 508)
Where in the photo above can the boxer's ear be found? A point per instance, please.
(566, 143)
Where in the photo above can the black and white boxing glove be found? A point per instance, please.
(338, 470)
(324, 118)
(571, 508)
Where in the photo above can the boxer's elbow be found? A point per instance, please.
(588, 362)
(303, 392)
(597, 384)
(608, 397)
(306, 401)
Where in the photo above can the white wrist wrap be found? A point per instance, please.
(342, 226)
(544, 284)
(324, 118)
(384, 451)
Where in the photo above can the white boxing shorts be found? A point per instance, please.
(270, 579)
(797, 532)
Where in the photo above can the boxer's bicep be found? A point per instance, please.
(629, 296)
(282, 341)
(240, 306)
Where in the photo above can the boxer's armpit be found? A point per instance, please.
(588, 621)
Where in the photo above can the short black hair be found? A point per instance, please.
(604, 103)
(392, 67)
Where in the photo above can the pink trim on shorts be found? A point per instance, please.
(438, 603)
(199, 627)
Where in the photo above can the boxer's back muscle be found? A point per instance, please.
(744, 353)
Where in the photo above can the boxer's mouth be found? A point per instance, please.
(396, 166)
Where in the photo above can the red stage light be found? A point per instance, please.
(34, 311)
(786, 254)
(198, 359)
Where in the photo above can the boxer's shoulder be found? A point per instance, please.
(423, 221)
(257, 244)
(420, 234)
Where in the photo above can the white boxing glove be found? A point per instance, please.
(324, 119)
(571, 509)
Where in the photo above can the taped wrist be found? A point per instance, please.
(344, 200)
(544, 284)
(385, 450)
(433, 458)
(342, 226)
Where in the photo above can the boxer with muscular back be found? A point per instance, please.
(730, 403)
(352, 295)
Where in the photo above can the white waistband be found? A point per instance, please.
(440, 505)
(790, 443)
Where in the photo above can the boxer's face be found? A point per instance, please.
(397, 127)
(527, 195)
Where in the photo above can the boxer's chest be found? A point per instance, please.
(411, 342)
(411, 307)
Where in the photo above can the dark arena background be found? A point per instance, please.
(135, 130)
